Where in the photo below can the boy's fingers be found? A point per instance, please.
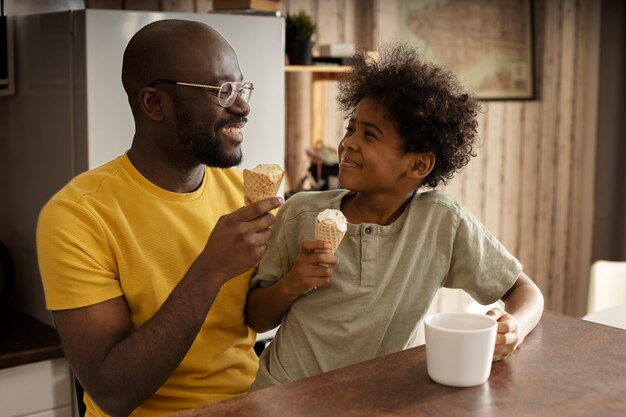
(315, 245)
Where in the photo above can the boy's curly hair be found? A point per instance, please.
(430, 109)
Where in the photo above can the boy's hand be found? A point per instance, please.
(507, 338)
(312, 268)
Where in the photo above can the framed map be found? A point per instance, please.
(487, 43)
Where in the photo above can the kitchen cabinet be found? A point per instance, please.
(35, 378)
(38, 389)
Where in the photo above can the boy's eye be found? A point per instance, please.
(370, 135)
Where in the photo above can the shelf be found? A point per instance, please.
(319, 75)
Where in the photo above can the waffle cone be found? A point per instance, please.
(328, 231)
(258, 185)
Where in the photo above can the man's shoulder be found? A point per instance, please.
(89, 182)
(78, 196)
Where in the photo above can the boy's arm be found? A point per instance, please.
(524, 306)
(266, 306)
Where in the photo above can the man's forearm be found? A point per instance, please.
(148, 356)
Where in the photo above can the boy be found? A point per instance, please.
(411, 127)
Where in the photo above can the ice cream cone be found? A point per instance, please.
(261, 182)
(330, 226)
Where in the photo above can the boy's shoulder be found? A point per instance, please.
(442, 204)
(437, 198)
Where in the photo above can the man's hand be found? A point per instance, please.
(239, 240)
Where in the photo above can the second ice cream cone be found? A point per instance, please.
(330, 226)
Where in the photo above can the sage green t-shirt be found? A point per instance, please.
(383, 285)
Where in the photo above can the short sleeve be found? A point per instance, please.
(480, 264)
(75, 260)
(276, 262)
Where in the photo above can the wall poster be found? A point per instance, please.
(487, 43)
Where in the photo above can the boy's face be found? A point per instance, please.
(371, 155)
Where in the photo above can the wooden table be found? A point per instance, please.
(567, 367)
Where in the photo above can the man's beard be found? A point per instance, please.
(203, 147)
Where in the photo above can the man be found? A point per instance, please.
(146, 260)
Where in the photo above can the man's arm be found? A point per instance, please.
(120, 368)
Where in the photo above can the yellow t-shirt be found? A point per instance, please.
(110, 232)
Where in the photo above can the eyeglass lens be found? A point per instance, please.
(229, 91)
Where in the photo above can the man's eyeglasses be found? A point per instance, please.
(227, 93)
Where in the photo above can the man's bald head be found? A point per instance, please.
(172, 50)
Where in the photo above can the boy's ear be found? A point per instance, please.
(151, 103)
(422, 164)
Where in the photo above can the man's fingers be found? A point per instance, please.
(255, 210)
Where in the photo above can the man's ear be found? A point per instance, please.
(151, 102)
(422, 164)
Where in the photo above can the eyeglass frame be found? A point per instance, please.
(242, 85)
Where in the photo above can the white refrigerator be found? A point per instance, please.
(70, 113)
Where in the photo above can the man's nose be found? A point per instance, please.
(240, 107)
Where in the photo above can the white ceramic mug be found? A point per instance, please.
(459, 348)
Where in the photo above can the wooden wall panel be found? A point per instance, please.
(529, 191)
(493, 170)
(548, 113)
(563, 169)
(471, 178)
(512, 137)
(583, 161)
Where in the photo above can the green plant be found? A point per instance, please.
(299, 26)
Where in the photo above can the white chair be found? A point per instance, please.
(607, 285)
(606, 303)
(613, 316)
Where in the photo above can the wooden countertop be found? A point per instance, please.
(566, 367)
(25, 340)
